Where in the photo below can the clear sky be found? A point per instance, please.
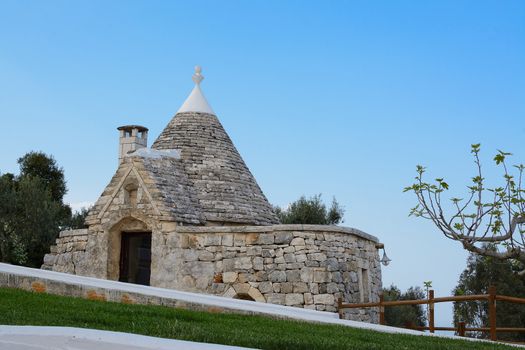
(341, 98)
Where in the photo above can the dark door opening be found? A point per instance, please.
(135, 257)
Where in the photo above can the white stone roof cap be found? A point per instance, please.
(196, 102)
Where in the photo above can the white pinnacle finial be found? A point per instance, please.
(196, 102)
(197, 77)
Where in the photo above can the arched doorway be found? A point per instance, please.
(129, 251)
(135, 257)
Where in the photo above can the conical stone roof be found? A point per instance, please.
(226, 190)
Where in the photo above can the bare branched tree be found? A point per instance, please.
(487, 218)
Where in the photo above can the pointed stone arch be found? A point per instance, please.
(127, 224)
(244, 291)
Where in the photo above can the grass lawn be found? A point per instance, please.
(19, 307)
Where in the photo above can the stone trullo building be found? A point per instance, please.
(187, 214)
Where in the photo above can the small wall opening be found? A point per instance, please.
(243, 296)
(130, 196)
(364, 286)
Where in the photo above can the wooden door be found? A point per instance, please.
(135, 257)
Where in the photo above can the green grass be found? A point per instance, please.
(25, 308)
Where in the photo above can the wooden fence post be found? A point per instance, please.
(431, 311)
(461, 329)
(492, 312)
(381, 310)
(339, 307)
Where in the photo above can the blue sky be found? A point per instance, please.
(342, 98)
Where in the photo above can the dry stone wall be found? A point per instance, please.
(307, 266)
(69, 253)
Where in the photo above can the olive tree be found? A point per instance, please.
(311, 211)
(486, 217)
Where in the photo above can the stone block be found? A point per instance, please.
(258, 263)
(252, 238)
(228, 264)
(275, 298)
(336, 277)
(297, 241)
(300, 287)
(49, 259)
(202, 282)
(206, 256)
(289, 258)
(307, 274)
(261, 276)
(279, 260)
(268, 261)
(265, 238)
(188, 282)
(218, 288)
(196, 241)
(229, 277)
(265, 287)
(239, 239)
(293, 276)
(317, 256)
(243, 263)
(308, 298)
(230, 293)
(300, 258)
(198, 268)
(241, 288)
(246, 277)
(332, 288)
(277, 276)
(288, 250)
(294, 299)
(268, 253)
(321, 276)
(283, 237)
(331, 264)
(353, 276)
(212, 239)
(255, 250)
(256, 295)
(227, 240)
(294, 266)
(324, 299)
(286, 287)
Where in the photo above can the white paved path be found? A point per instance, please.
(67, 338)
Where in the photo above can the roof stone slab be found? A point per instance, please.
(225, 187)
(167, 192)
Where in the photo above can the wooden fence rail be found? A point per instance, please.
(461, 329)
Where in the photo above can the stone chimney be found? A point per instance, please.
(132, 138)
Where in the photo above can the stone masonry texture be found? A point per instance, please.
(307, 266)
(225, 187)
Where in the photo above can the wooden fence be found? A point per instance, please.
(461, 329)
